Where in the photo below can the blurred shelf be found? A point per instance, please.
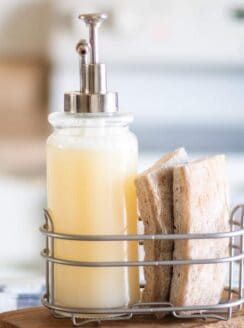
(22, 156)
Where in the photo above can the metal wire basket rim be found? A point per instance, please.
(194, 311)
(141, 237)
(140, 310)
(138, 263)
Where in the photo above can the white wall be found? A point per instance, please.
(201, 31)
(189, 97)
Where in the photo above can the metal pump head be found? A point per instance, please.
(93, 96)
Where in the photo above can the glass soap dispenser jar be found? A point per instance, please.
(91, 167)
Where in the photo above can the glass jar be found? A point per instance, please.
(91, 167)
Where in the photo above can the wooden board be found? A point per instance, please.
(41, 318)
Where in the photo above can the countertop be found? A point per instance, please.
(41, 318)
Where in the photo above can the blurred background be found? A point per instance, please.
(178, 65)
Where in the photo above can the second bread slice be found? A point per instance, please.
(200, 206)
(155, 202)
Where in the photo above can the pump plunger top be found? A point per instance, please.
(93, 21)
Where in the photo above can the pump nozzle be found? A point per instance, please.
(83, 50)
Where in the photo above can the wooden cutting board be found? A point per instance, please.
(41, 318)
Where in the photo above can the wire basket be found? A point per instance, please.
(221, 311)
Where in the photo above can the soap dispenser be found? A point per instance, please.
(91, 168)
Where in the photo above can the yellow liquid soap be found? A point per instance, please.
(91, 191)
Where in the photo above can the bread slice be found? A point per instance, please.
(155, 203)
(200, 206)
